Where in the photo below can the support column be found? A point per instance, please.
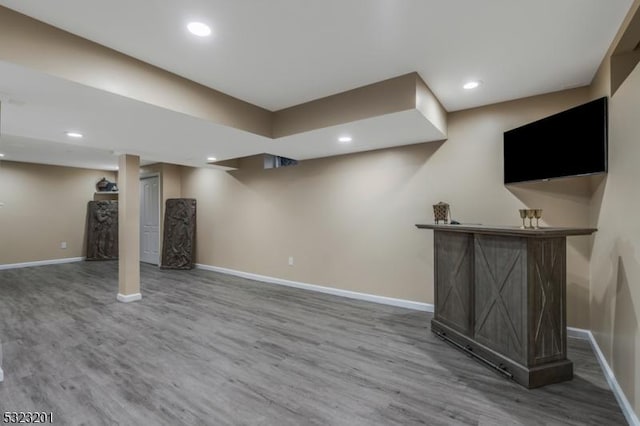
(129, 228)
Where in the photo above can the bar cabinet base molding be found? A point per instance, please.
(500, 296)
(529, 377)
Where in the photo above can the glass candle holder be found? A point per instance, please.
(523, 215)
(537, 213)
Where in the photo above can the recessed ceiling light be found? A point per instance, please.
(344, 139)
(199, 29)
(472, 84)
(1, 155)
(74, 135)
(211, 158)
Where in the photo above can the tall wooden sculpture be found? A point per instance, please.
(178, 247)
(102, 232)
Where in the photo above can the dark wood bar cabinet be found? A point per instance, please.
(500, 295)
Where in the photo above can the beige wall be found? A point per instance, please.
(170, 182)
(46, 205)
(349, 221)
(43, 206)
(615, 265)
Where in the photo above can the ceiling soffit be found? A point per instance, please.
(626, 54)
(34, 44)
(28, 42)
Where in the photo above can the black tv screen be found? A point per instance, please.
(570, 143)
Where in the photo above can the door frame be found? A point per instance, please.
(159, 176)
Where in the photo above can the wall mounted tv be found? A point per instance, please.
(570, 143)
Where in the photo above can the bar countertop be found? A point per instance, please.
(508, 230)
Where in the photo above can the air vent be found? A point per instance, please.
(275, 161)
(255, 162)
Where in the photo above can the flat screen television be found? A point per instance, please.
(570, 143)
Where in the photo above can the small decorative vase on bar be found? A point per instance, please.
(441, 212)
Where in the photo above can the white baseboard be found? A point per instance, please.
(40, 263)
(409, 304)
(625, 405)
(128, 298)
(578, 333)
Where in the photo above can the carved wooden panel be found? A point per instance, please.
(102, 230)
(454, 280)
(547, 287)
(500, 295)
(178, 247)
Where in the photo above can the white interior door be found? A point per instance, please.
(150, 220)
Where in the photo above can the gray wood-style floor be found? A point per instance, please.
(206, 348)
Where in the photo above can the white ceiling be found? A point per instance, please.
(280, 53)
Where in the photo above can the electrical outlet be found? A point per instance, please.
(63, 245)
(290, 260)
